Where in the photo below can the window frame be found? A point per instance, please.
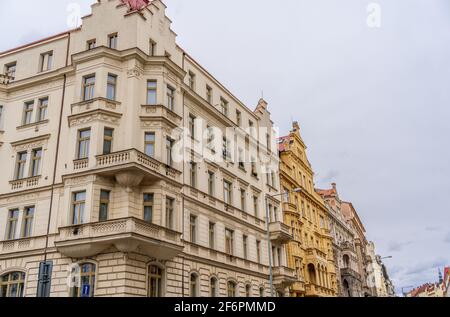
(20, 165)
(152, 88)
(83, 151)
(148, 203)
(11, 224)
(20, 283)
(46, 61)
(28, 110)
(111, 82)
(151, 143)
(113, 40)
(108, 138)
(193, 229)
(28, 221)
(36, 162)
(78, 208)
(88, 87)
(170, 213)
(229, 242)
(42, 110)
(104, 202)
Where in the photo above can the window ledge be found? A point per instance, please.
(34, 124)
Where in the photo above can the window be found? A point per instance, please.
(169, 149)
(193, 229)
(28, 112)
(13, 218)
(151, 92)
(211, 181)
(88, 87)
(194, 285)
(268, 142)
(258, 251)
(46, 62)
(42, 109)
(245, 246)
(212, 235)
(224, 107)
(226, 149)
(170, 202)
(238, 118)
(254, 168)
(84, 139)
(191, 80)
(251, 127)
(229, 241)
(104, 205)
(243, 196)
(192, 126)
(155, 280)
(28, 215)
(273, 179)
(193, 173)
(10, 70)
(248, 290)
(111, 87)
(107, 140)
(150, 144)
(170, 98)
(241, 159)
(213, 287)
(152, 48)
(209, 94)
(148, 207)
(20, 167)
(36, 157)
(78, 204)
(91, 44)
(231, 289)
(255, 205)
(12, 284)
(227, 192)
(210, 137)
(112, 41)
(261, 292)
(86, 284)
(1, 113)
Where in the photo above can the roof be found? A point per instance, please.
(327, 192)
(283, 143)
(136, 5)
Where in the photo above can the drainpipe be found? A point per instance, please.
(182, 195)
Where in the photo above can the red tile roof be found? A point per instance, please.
(135, 5)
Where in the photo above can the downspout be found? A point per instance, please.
(182, 193)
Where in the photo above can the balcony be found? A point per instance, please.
(160, 112)
(22, 245)
(96, 104)
(25, 183)
(315, 255)
(5, 79)
(127, 235)
(283, 277)
(279, 232)
(348, 272)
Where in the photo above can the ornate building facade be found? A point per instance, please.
(310, 253)
(106, 189)
(378, 279)
(349, 276)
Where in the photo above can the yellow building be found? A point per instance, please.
(310, 253)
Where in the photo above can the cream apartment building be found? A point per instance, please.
(129, 170)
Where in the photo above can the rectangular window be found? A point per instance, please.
(241, 159)
(193, 173)
(152, 48)
(211, 182)
(28, 215)
(78, 205)
(243, 196)
(104, 205)
(151, 92)
(255, 206)
(20, 165)
(170, 202)
(258, 251)
(42, 109)
(209, 94)
(245, 246)
(84, 140)
(148, 207)
(108, 134)
(227, 186)
(111, 87)
(13, 218)
(36, 158)
(170, 98)
(112, 41)
(88, 87)
(229, 241)
(191, 80)
(28, 112)
(169, 150)
(150, 144)
(10, 70)
(224, 107)
(46, 62)
(192, 119)
(238, 118)
(193, 229)
(91, 44)
(212, 235)
(1, 116)
(210, 138)
(226, 149)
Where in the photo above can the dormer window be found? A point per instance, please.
(46, 61)
(112, 41)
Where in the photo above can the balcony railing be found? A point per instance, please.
(279, 232)
(159, 112)
(315, 254)
(283, 277)
(6, 79)
(25, 183)
(127, 235)
(99, 103)
(350, 272)
(22, 245)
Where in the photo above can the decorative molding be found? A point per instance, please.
(95, 115)
(32, 143)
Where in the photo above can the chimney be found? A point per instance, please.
(334, 186)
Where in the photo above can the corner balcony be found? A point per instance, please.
(348, 272)
(160, 112)
(99, 103)
(283, 277)
(315, 256)
(127, 235)
(25, 183)
(279, 233)
(22, 245)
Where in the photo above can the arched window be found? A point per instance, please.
(312, 274)
(194, 285)
(12, 284)
(213, 287)
(231, 289)
(84, 284)
(155, 281)
(248, 290)
(261, 292)
(346, 260)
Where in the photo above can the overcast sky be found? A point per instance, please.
(373, 103)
